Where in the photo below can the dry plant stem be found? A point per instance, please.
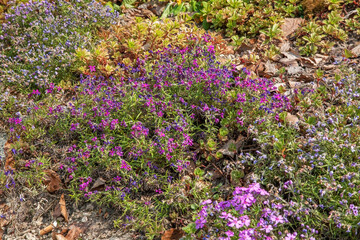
(46, 230)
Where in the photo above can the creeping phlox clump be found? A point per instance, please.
(38, 39)
(138, 131)
(249, 214)
(146, 118)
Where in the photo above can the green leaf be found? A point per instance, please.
(237, 174)
(311, 120)
(166, 12)
(199, 172)
(191, 228)
(348, 54)
(206, 25)
(128, 3)
(178, 9)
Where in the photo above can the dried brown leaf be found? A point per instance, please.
(60, 237)
(290, 25)
(52, 180)
(99, 183)
(172, 234)
(308, 62)
(285, 46)
(63, 208)
(74, 233)
(9, 157)
(57, 211)
(356, 51)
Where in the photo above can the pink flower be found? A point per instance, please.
(92, 68)
(246, 220)
(277, 219)
(229, 233)
(267, 228)
(206, 202)
(290, 236)
(235, 222)
(225, 215)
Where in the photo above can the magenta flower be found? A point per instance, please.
(92, 68)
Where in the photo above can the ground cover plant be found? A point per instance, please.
(46, 34)
(147, 119)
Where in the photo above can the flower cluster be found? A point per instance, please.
(249, 214)
(39, 38)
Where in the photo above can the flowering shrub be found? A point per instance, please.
(249, 214)
(39, 38)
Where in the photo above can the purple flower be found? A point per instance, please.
(200, 223)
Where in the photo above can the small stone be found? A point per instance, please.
(84, 219)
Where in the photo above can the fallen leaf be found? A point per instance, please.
(46, 230)
(74, 233)
(285, 46)
(291, 55)
(308, 62)
(172, 234)
(60, 237)
(356, 51)
(52, 180)
(1, 233)
(320, 58)
(289, 62)
(270, 68)
(9, 157)
(292, 70)
(57, 211)
(329, 67)
(290, 25)
(306, 77)
(63, 208)
(99, 183)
